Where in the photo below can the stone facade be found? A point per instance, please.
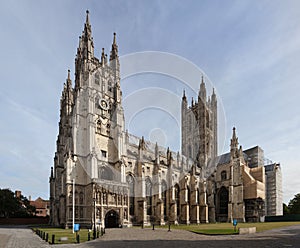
(113, 178)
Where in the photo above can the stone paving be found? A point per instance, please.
(18, 237)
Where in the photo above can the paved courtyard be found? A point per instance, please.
(18, 237)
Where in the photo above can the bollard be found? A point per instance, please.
(97, 234)
(89, 236)
(53, 239)
(44, 235)
(169, 228)
(47, 237)
(78, 238)
(101, 231)
(152, 226)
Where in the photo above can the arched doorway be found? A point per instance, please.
(223, 198)
(111, 219)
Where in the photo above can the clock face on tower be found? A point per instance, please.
(103, 104)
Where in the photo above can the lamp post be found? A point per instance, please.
(73, 203)
(94, 231)
(73, 198)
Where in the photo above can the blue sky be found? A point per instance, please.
(250, 50)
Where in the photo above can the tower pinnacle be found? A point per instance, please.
(234, 145)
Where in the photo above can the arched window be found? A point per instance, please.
(164, 195)
(76, 197)
(109, 86)
(130, 182)
(223, 200)
(223, 175)
(97, 78)
(70, 197)
(190, 151)
(149, 196)
(177, 198)
(81, 195)
(98, 127)
(106, 173)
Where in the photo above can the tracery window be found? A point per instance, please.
(149, 196)
(109, 86)
(98, 127)
(97, 78)
(223, 175)
(130, 182)
(81, 195)
(164, 195)
(106, 173)
(177, 198)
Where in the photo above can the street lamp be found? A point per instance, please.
(73, 200)
(94, 232)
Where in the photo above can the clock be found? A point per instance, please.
(103, 104)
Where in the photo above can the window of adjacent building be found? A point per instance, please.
(149, 196)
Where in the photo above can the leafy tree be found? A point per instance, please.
(286, 210)
(294, 205)
(9, 205)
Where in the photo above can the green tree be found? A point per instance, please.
(294, 205)
(286, 210)
(9, 205)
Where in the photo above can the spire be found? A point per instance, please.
(87, 19)
(69, 81)
(202, 91)
(114, 49)
(234, 150)
(213, 96)
(184, 97)
(142, 145)
(86, 44)
(102, 57)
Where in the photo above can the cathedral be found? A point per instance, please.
(105, 177)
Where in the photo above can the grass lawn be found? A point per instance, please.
(227, 228)
(59, 233)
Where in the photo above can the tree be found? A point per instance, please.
(286, 210)
(294, 205)
(9, 205)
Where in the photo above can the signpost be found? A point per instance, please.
(234, 222)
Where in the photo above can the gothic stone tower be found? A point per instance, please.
(90, 142)
(199, 139)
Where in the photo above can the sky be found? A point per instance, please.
(249, 50)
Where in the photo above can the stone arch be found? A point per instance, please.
(112, 219)
(223, 199)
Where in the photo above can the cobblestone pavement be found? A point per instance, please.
(18, 237)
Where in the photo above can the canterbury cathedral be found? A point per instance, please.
(104, 176)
